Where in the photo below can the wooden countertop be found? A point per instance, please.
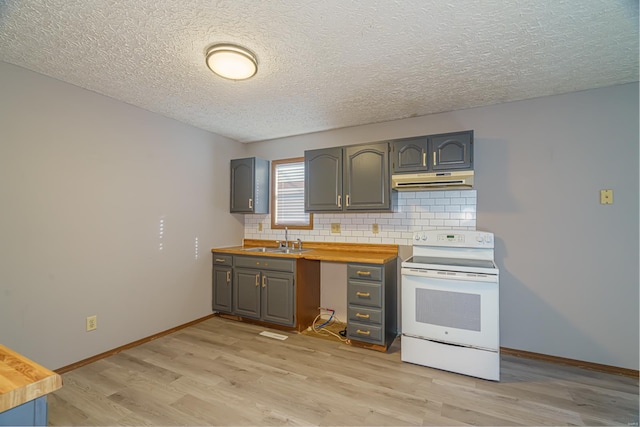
(321, 251)
(22, 380)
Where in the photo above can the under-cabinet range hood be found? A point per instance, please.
(432, 181)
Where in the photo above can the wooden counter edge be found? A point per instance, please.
(323, 251)
(29, 380)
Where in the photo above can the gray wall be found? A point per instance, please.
(568, 265)
(85, 183)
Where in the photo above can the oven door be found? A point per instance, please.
(453, 308)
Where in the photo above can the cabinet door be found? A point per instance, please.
(452, 151)
(410, 155)
(323, 180)
(242, 189)
(222, 286)
(278, 298)
(367, 177)
(246, 293)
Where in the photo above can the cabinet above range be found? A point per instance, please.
(433, 162)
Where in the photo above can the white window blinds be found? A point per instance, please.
(289, 194)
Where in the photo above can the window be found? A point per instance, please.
(287, 195)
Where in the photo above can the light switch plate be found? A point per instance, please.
(606, 197)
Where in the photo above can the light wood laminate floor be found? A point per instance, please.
(221, 372)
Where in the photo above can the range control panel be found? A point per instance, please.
(453, 238)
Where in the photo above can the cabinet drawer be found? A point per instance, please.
(266, 263)
(364, 315)
(222, 259)
(363, 293)
(362, 332)
(364, 272)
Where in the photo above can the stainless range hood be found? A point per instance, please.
(432, 181)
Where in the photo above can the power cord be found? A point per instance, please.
(322, 329)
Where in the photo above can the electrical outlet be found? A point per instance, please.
(606, 197)
(335, 227)
(259, 226)
(92, 323)
(375, 229)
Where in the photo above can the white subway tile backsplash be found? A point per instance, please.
(413, 211)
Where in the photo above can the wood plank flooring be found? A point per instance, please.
(221, 372)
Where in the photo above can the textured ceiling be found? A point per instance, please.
(323, 64)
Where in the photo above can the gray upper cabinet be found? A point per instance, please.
(323, 180)
(433, 153)
(249, 185)
(367, 183)
(346, 179)
(410, 154)
(452, 151)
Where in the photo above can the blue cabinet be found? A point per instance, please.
(33, 413)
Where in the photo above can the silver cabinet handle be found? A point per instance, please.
(434, 158)
(339, 200)
(250, 203)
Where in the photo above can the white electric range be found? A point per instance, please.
(450, 303)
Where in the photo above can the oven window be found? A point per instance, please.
(448, 309)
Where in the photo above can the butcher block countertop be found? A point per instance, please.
(321, 251)
(22, 380)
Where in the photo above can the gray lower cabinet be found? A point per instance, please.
(371, 303)
(249, 185)
(222, 282)
(348, 179)
(32, 413)
(260, 288)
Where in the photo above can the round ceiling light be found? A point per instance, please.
(231, 61)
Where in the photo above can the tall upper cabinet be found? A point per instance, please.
(433, 153)
(345, 179)
(249, 185)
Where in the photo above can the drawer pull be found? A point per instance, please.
(358, 331)
(363, 294)
(363, 273)
(219, 260)
(362, 316)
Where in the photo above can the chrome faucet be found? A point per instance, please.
(299, 244)
(284, 244)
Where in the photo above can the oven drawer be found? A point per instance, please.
(363, 293)
(365, 315)
(364, 272)
(363, 332)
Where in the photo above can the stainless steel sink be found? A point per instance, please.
(262, 249)
(287, 250)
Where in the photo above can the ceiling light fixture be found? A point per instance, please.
(231, 61)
